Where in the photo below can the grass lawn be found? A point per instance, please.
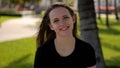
(110, 41)
(17, 53)
(20, 53)
(4, 18)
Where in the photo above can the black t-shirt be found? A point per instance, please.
(83, 56)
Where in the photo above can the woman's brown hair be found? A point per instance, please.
(45, 33)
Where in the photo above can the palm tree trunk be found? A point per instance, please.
(116, 11)
(89, 30)
(99, 11)
(0, 3)
(107, 11)
(60, 0)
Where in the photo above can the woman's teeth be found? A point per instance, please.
(65, 28)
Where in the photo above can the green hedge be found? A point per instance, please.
(9, 13)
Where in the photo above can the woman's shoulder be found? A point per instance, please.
(79, 41)
(83, 44)
(46, 45)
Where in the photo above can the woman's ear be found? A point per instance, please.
(74, 18)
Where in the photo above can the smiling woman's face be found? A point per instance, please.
(61, 21)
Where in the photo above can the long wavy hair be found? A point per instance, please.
(45, 33)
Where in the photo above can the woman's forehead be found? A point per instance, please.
(59, 11)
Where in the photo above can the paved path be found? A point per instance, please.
(18, 28)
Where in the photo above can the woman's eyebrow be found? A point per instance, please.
(65, 15)
(55, 18)
(62, 16)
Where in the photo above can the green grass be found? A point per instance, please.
(17, 53)
(110, 38)
(5, 18)
(20, 53)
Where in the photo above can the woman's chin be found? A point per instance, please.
(65, 33)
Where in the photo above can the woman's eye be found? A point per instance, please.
(56, 21)
(66, 17)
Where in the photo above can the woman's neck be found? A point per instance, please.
(64, 46)
(64, 40)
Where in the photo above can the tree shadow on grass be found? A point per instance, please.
(115, 24)
(114, 61)
(111, 31)
(20, 63)
(112, 47)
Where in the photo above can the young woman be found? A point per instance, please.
(57, 43)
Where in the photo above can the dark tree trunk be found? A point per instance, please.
(60, 0)
(116, 11)
(107, 12)
(89, 30)
(99, 11)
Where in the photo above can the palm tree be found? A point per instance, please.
(0, 2)
(89, 30)
(99, 10)
(107, 17)
(116, 11)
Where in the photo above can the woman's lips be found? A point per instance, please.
(64, 28)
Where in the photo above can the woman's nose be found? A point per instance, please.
(62, 22)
